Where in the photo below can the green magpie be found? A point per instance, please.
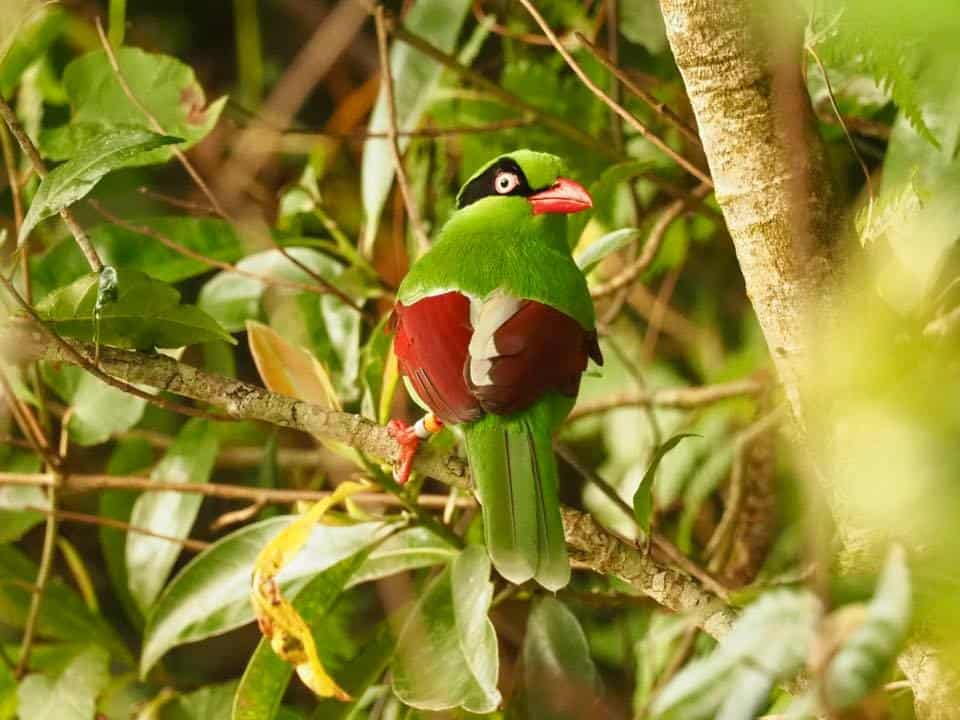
(493, 328)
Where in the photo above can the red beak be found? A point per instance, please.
(564, 196)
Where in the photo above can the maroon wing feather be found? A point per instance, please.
(540, 349)
(431, 342)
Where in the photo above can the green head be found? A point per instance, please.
(522, 192)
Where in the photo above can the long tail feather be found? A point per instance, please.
(516, 476)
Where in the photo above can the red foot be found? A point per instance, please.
(409, 442)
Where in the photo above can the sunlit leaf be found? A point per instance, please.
(447, 653)
(70, 696)
(130, 456)
(149, 559)
(211, 595)
(146, 314)
(289, 370)
(592, 255)
(408, 549)
(859, 666)
(415, 78)
(293, 372)
(734, 681)
(64, 185)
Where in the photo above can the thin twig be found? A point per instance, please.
(310, 137)
(81, 483)
(662, 543)
(413, 212)
(84, 518)
(169, 242)
(43, 575)
(87, 363)
(326, 285)
(504, 31)
(548, 120)
(654, 241)
(152, 120)
(46, 555)
(679, 397)
(659, 107)
(846, 133)
(616, 107)
(28, 423)
(664, 294)
(30, 150)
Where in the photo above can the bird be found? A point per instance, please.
(493, 327)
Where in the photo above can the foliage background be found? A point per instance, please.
(274, 102)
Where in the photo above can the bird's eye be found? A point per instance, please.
(505, 182)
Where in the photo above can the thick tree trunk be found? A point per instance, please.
(741, 63)
(767, 162)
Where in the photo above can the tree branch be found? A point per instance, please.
(592, 547)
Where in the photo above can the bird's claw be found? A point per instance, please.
(409, 441)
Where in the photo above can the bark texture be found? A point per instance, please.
(767, 162)
(590, 545)
(741, 64)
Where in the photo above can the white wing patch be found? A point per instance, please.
(487, 317)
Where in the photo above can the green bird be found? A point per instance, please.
(493, 328)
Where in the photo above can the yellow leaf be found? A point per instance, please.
(290, 370)
(289, 634)
(294, 372)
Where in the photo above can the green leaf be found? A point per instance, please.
(592, 255)
(734, 681)
(447, 651)
(167, 87)
(29, 42)
(358, 675)
(8, 693)
(146, 314)
(323, 324)
(64, 262)
(415, 547)
(211, 595)
(64, 185)
(643, 497)
(100, 411)
(63, 615)
(560, 679)
(149, 559)
(70, 696)
(642, 23)
(131, 455)
(233, 298)
(266, 678)
(859, 666)
(212, 702)
(415, 78)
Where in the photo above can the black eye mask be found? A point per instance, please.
(484, 184)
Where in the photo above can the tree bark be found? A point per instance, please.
(741, 63)
(759, 135)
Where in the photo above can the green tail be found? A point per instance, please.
(515, 472)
